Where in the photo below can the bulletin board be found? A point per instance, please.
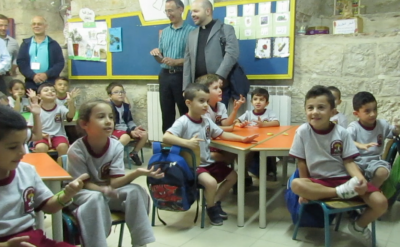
(140, 37)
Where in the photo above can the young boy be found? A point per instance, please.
(338, 117)
(193, 130)
(369, 134)
(259, 116)
(125, 128)
(52, 117)
(325, 153)
(262, 118)
(22, 191)
(61, 85)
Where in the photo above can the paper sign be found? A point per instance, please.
(87, 15)
(282, 6)
(232, 11)
(345, 26)
(249, 9)
(264, 8)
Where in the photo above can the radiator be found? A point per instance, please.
(279, 102)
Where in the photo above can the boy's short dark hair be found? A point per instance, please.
(10, 120)
(319, 90)
(46, 84)
(192, 90)
(178, 3)
(335, 89)
(260, 92)
(62, 78)
(112, 85)
(207, 79)
(362, 98)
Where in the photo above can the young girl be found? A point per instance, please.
(17, 100)
(108, 188)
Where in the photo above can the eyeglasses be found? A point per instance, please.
(118, 92)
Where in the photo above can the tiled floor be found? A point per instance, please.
(181, 232)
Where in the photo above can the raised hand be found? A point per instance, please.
(194, 142)
(30, 93)
(34, 105)
(74, 93)
(259, 122)
(238, 103)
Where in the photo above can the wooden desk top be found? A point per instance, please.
(283, 141)
(46, 167)
(264, 134)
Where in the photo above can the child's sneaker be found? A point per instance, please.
(365, 235)
(346, 190)
(223, 214)
(213, 214)
(135, 157)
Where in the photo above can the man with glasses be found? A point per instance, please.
(40, 58)
(5, 64)
(12, 47)
(170, 54)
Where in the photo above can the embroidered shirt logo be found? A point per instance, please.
(28, 196)
(105, 171)
(336, 148)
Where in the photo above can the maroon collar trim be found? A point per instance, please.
(55, 106)
(90, 150)
(324, 132)
(194, 121)
(63, 97)
(9, 179)
(366, 127)
(259, 114)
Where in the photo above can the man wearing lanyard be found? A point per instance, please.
(5, 64)
(171, 54)
(12, 47)
(40, 58)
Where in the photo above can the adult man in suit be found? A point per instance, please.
(5, 65)
(12, 47)
(204, 54)
(40, 58)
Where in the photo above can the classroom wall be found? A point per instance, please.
(351, 62)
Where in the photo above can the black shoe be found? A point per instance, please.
(223, 214)
(215, 218)
(135, 158)
(248, 183)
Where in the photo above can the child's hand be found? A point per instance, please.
(34, 105)
(74, 93)
(19, 242)
(45, 135)
(362, 187)
(368, 145)
(75, 186)
(138, 132)
(194, 142)
(259, 122)
(108, 191)
(302, 200)
(238, 103)
(242, 125)
(248, 139)
(151, 173)
(31, 93)
(16, 96)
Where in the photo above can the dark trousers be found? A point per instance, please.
(3, 86)
(226, 96)
(171, 94)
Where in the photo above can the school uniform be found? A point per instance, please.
(340, 119)
(217, 114)
(62, 101)
(371, 159)
(22, 194)
(24, 104)
(92, 208)
(186, 128)
(123, 121)
(252, 117)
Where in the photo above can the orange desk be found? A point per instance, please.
(279, 145)
(241, 149)
(52, 174)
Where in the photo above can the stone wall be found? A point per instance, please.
(351, 62)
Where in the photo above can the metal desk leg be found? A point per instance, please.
(263, 190)
(284, 170)
(39, 220)
(55, 187)
(240, 184)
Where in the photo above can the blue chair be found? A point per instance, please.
(127, 150)
(192, 158)
(70, 226)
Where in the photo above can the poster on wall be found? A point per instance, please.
(115, 39)
(88, 43)
(281, 47)
(263, 48)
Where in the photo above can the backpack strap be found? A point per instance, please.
(157, 147)
(175, 150)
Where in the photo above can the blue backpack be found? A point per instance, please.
(177, 190)
(313, 215)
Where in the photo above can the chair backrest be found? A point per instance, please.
(64, 160)
(388, 145)
(191, 156)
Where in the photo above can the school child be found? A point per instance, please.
(61, 85)
(369, 134)
(325, 156)
(52, 117)
(22, 191)
(125, 128)
(338, 117)
(17, 100)
(193, 130)
(260, 117)
(108, 188)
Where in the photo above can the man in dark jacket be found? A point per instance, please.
(40, 58)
